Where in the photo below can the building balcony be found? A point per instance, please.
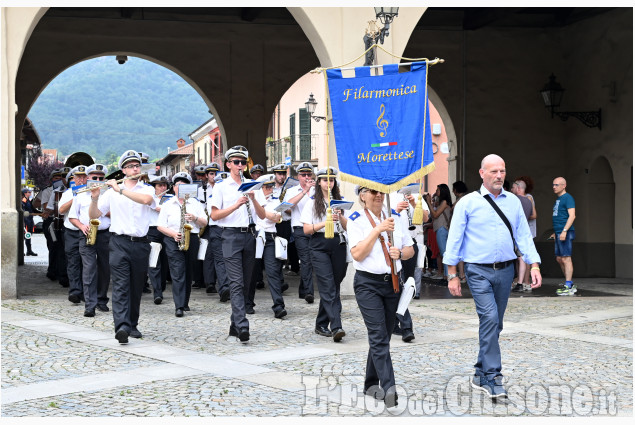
(300, 147)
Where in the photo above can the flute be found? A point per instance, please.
(101, 185)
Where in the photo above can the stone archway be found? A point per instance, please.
(599, 215)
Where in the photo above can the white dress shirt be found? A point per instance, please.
(79, 210)
(296, 211)
(127, 217)
(269, 204)
(67, 196)
(277, 191)
(359, 228)
(226, 194)
(170, 215)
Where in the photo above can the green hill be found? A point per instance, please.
(103, 108)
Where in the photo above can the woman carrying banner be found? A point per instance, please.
(328, 256)
(374, 292)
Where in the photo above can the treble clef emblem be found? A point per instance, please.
(382, 124)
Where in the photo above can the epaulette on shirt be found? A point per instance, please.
(396, 213)
(354, 215)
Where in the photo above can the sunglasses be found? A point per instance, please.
(373, 192)
(98, 178)
(239, 162)
(305, 174)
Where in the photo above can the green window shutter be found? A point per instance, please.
(305, 135)
(292, 134)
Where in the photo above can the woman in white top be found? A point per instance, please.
(328, 256)
(169, 224)
(373, 285)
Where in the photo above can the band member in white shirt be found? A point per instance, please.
(299, 195)
(271, 263)
(328, 256)
(95, 258)
(158, 274)
(373, 286)
(129, 205)
(256, 172)
(71, 236)
(214, 273)
(173, 212)
(236, 213)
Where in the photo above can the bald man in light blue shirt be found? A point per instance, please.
(479, 237)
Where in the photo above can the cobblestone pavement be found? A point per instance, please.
(567, 356)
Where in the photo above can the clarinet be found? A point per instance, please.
(251, 220)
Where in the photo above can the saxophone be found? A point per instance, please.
(184, 229)
(91, 236)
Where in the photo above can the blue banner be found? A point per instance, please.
(381, 126)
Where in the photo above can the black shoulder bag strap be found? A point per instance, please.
(504, 218)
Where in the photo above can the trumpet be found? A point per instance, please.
(102, 185)
(91, 236)
(410, 225)
(340, 232)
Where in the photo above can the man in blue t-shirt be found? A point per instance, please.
(564, 233)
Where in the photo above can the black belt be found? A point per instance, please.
(378, 277)
(103, 231)
(133, 238)
(496, 266)
(298, 227)
(241, 229)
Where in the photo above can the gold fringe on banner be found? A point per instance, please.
(388, 188)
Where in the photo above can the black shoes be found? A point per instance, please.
(64, 283)
(285, 286)
(158, 300)
(390, 400)
(321, 330)
(211, 289)
(198, 285)
(178, 312)
(233, 331)
(224, 295)
(146, 290)
(250, 310)
(74, 299)
(102, 307)
(134, 333)
(32, 253)
(51, 276)
(407, 335)
(89, 312)
(309, 298)
(518, 288)
(243, 334)
(338, 334)
(280, 313)
(122, 336)
(186, 308)
(260, 285)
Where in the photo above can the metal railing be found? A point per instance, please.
(300, 147)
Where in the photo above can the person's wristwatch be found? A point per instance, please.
(452, 276)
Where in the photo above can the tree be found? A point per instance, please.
(40, 167)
